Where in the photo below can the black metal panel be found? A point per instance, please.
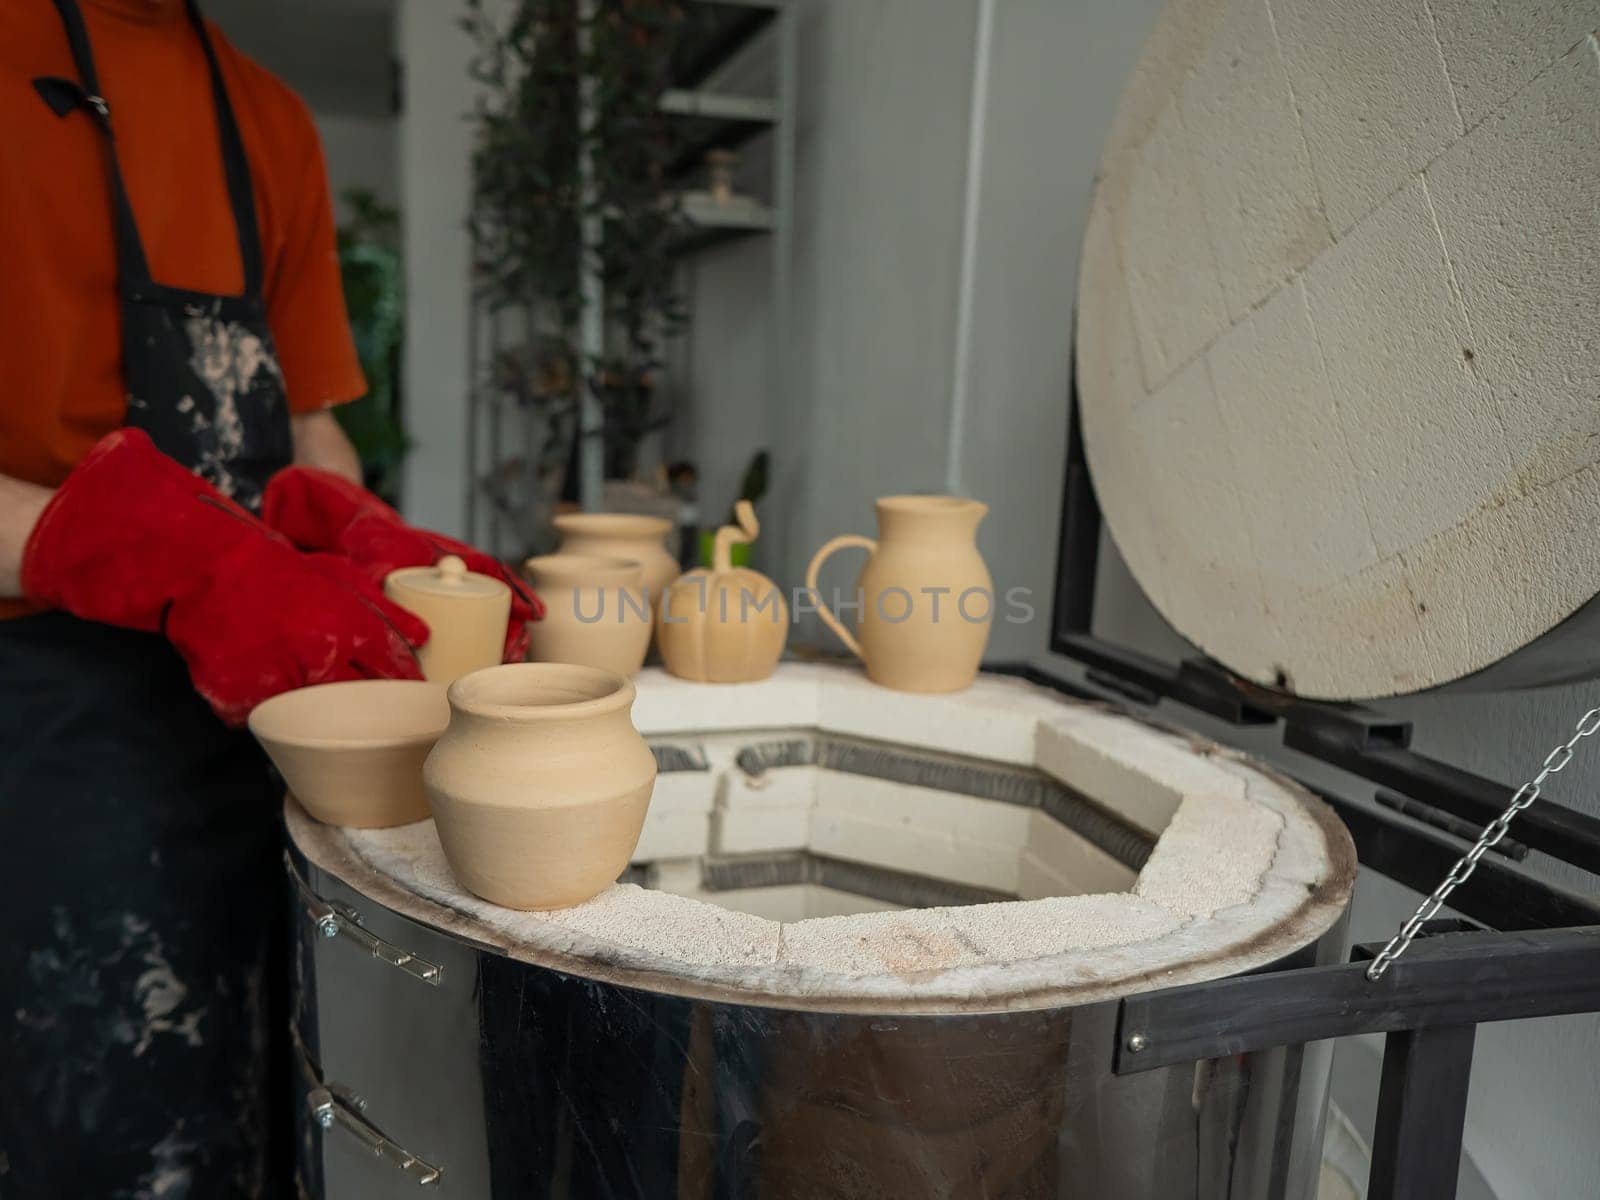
(1196, 682)
(1370, 745)
(1450, 980)
(1499, 896)
(1079, 544)
(1422, 1110)
(1454, 826)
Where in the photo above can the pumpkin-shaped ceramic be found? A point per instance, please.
(724, 624)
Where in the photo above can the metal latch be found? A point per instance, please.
(332, 919)
(330, 1110)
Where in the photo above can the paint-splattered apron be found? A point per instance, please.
(141, 985)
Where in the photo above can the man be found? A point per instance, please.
(172, 335)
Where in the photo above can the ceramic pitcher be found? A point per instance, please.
(927, 601)
(540, 785)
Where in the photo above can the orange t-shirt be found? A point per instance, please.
(61, 385)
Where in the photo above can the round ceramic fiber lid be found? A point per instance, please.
(1338, 339)
(448, 577)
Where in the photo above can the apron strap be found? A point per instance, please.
(235, 166)
(133, 270)
(133, 267)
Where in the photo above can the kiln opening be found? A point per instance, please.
(798, 825)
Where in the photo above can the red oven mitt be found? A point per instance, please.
(133, 539)
(317, 510)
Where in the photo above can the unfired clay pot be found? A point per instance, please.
(352, 752)
(928, 601)
(596, 613)
(623, 535)
(539, 787)
(727, 624)
(466, 615)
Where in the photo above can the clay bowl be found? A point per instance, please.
(352, 752)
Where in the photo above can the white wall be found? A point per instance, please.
(360, 152)
(883, 95)
(334, 53)
(899, 215)
(435, 154)
(1055, 72)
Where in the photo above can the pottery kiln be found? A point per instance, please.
(876, 955)
(1345, 441)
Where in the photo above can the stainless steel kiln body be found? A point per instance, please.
(424, 1052)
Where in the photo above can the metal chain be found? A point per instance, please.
(1529, 792)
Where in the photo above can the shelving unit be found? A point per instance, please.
(707, 117)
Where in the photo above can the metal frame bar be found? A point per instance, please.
(1430, 1002)
(1444, 981)
(1422, 1112)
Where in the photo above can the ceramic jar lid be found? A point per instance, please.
(449, 577)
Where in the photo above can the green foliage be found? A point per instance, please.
(754, 484)
(369, 264)
(529, 208)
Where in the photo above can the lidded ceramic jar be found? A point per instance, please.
(540, 785)
(927, 601)
(466, 615)
(596, 612)
(623, 535)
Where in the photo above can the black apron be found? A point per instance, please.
(142, 983)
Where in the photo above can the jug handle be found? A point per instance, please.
(828, 619)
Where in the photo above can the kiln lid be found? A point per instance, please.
(1337, 360)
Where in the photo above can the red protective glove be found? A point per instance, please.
(317, 510)
(133, 539)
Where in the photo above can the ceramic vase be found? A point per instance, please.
(540, 784)
(927, 601)
(466, 615)
(596, 613)
(724, 624)
(623, 535)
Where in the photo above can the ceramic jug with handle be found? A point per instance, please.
(927, 601)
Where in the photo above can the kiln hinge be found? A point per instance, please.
(334, 920)
(330, 1111)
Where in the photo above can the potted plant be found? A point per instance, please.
(751, 488)
(368, 246)
(569, 129)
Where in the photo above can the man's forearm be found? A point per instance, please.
(20, 506)
(320, 442)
